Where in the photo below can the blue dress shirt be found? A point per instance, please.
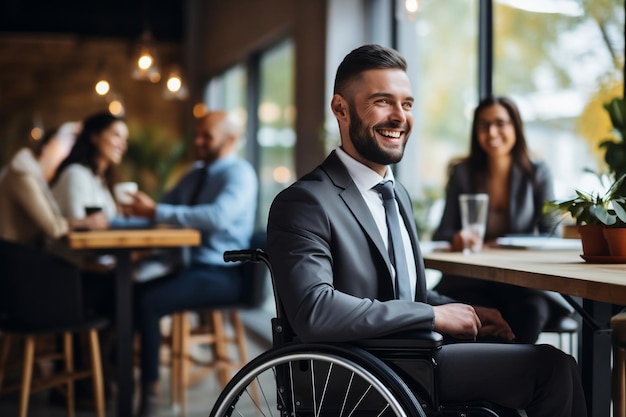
(225, 210)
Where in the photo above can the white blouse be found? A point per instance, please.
(78, 187)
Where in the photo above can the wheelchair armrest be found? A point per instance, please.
(410, 339)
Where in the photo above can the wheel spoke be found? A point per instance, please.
(312, 384)
(345, 398)
(330, 369)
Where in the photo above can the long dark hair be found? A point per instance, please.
(477, 158)
(85, 152)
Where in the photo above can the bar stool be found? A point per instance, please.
(220, 329)
(186, 369)
(42, 295)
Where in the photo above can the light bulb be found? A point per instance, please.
(145, 61)
(411, 6)
(116, 107)
(102, 87)
(36, 133)
(174, 83)
(199, 110)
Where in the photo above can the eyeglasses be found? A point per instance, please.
(485, 126)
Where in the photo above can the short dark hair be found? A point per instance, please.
(365, 58)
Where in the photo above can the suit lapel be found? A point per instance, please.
(351, 195)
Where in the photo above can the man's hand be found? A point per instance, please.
(458, 320)
(493, 324)
(142, 206)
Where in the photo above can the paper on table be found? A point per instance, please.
(538, 242)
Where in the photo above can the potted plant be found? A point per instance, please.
(615, 158)
(595, 211)
(601, 217)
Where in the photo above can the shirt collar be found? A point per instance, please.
(363, 176)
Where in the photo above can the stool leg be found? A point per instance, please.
(68, 352)
(221, 347)
(185, 359)
(96, 371)
(240, 336)
(6, 347)
(240, 340)
(175, 358)
(27, 373)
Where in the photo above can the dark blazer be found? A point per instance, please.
(525, 206)
(331, 267)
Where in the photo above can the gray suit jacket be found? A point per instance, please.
(331, 267)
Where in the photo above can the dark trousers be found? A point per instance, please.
(196, 287)
(539, 379)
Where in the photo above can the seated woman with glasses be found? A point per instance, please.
(500, 165)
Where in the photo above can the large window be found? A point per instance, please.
(276, 112)
(560, 65)
(228, 92)
(440, 46)
(558, 60)
(265, 84)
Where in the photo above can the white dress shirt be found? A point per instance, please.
(365, 178)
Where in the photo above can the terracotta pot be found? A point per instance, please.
(593, 241)
(616, 239)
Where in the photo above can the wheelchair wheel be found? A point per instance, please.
(316, 381)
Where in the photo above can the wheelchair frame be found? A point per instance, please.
(395, 375)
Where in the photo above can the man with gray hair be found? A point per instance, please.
(218, 197)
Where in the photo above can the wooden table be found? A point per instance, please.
(121, 243)
(599, 285)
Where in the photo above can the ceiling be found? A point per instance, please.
(95, 18)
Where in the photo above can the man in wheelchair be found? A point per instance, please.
(328, 239)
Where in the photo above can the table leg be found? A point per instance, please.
(595, 359)
(124, 337)
(618, 326)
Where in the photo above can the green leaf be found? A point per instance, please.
(603, 215)
(620, 210)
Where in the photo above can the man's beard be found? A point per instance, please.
(366, 145)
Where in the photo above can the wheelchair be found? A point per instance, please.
(391, 376)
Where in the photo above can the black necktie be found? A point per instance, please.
(200, 181)
(395, 247)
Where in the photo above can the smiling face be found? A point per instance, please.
(375, 117)
(112, 143)
(496, 133)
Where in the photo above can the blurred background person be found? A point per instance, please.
(86, 177)
(218, 197)
(500, 165)
(30, 214)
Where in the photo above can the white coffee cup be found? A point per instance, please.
(124, 190)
